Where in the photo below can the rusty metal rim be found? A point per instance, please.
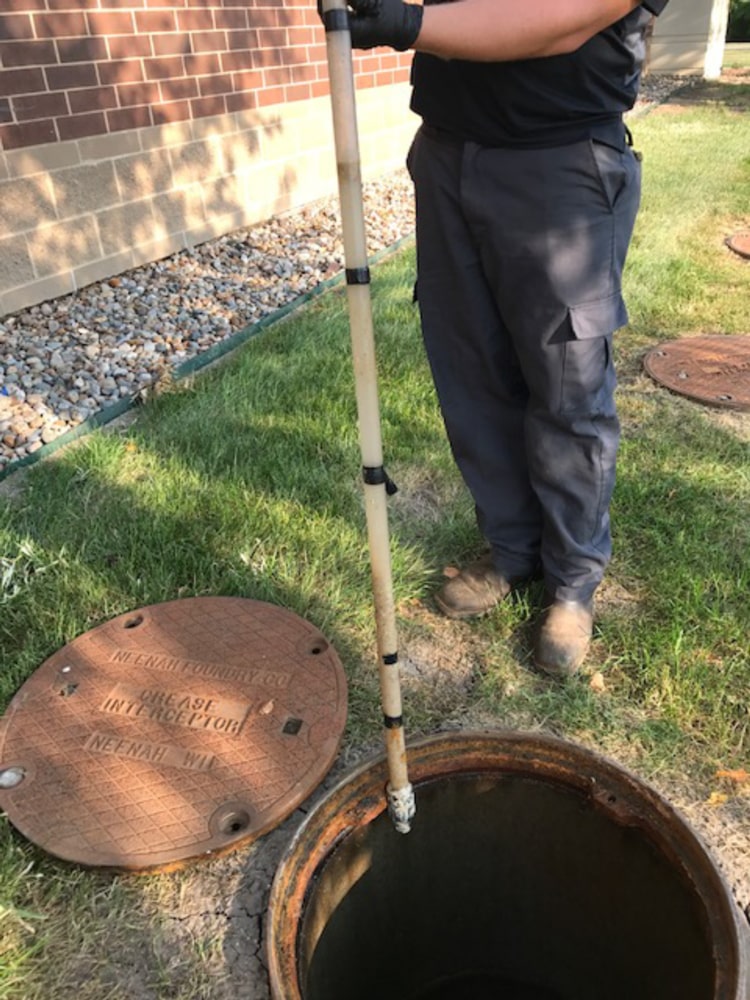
(360, 798)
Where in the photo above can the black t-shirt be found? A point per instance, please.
(538, 102)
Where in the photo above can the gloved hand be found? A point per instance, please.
(384, 22)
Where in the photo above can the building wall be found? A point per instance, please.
(133, 128)
(689, 38)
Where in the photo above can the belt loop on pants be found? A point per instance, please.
(629, 140)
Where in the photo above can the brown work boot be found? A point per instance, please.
(564, 636)
(473, 591)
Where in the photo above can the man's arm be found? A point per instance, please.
(499, 30)
(486, 30)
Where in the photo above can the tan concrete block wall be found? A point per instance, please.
(686, 36)
(80, 211)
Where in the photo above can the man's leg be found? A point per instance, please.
(554, 227)
(481, 389)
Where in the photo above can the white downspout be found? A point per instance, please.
(717, 36)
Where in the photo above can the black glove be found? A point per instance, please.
(384, 22)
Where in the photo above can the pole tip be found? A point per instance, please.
(402, 807)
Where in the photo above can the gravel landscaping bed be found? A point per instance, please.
(66, 360)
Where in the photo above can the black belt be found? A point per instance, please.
(615, 133)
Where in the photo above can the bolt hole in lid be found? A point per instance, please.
(171, 733)
(713, 370)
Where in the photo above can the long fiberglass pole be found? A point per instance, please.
(400, 795)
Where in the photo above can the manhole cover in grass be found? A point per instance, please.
(713, 370)
(173, 732)
(740, 243)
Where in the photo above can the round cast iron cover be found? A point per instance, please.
(713, 370)
(176, 731)
(740, 243)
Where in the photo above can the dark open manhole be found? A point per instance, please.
(740, 244)
(714, 370)
(171, 733)
(534, 870)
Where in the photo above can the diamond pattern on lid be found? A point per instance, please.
(138, 784)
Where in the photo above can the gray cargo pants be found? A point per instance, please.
(519, 263)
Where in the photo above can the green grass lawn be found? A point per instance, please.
(245, 481)
(737, 58)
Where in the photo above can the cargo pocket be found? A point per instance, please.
(588, 376)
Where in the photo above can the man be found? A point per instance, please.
(527, 191)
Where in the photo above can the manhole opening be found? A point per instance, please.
(513, 888)
(510, 884)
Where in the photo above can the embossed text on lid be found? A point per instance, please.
(172, 732)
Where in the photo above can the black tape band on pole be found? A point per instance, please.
(377, 476)
(357, 275)
(393, 721)
(390, 659)
(336, 20)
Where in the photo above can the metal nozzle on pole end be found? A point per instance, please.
(402, 807)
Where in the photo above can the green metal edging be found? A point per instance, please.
(191, 366)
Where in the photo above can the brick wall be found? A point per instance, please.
(76, 68)
(131, 128)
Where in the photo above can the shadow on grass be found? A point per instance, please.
(246, 483)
